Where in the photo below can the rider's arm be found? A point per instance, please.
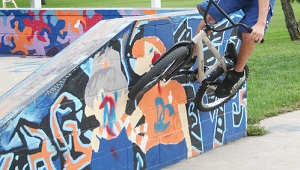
(263, 11)
(259, 28)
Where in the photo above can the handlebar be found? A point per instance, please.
(233, 24)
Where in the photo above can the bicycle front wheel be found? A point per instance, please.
(165, 67)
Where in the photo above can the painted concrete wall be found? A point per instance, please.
(74, 111)
(48, 31)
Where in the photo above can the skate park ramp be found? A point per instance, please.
(73, 111)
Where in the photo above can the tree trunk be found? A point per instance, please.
(291, 24)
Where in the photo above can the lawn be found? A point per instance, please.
(273, 85)
(108, 4)
(274, 81)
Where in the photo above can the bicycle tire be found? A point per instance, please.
(176, 57)
(205, 94)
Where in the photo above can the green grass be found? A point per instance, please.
(273, 85)
(107, 4)
(274, 81)
(256, 130)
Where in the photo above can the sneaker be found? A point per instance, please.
(229, 85)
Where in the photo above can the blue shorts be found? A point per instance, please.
(249, 7)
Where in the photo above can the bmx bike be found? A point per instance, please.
(177, 60)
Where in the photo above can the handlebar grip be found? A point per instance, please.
(249, 29)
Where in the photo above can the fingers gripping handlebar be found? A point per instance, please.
(250, 30)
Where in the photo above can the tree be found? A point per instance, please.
(291, 24)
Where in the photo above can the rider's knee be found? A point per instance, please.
(202, 11)
(210, 18)
(244, 36)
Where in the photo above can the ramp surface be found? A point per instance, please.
(54, 70)
(15, 69)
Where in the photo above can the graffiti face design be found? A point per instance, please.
(146, 51)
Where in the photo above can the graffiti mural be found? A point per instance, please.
(46, 32)
(86, 120)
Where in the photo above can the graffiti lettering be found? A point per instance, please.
(76, 153)
(220, 128)
(195, 129)
(161, 109)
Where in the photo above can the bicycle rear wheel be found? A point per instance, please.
(205, 97)
(168, 65)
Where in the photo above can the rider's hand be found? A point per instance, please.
(258, 32)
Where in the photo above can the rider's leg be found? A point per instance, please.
(236, 76)
(246, 49)
(202, 23)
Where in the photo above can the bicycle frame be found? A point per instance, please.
(199, 40)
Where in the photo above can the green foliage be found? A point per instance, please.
(256, 130)
(296, 1)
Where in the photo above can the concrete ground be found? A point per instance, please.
(280, 149)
